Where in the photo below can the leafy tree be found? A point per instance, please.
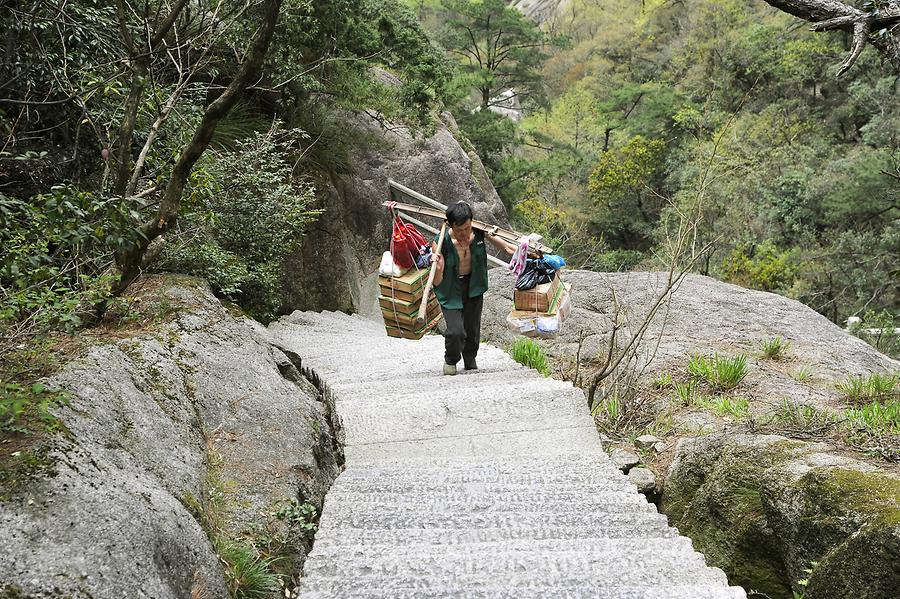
(497, 46)
(621, 188)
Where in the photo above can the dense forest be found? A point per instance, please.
(635, 112)
(193, 137)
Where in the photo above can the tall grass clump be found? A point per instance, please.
(876, 417)
(248, 574)
(720, 372)
(871, 388)
(775, 349)
(528, 353)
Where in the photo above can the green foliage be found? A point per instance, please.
(56, 247)
(496, 45)
(725, 405)
(663, 380)
(23, 408)
(763, 267)
(876, 416)
(720, 372)
(528, 353)
(803, 375)
(872, 388)
(686, 391)
(252, 188)
(247, 574)
(620, 186)
(775, 348)
(302, 516)
(879, 329)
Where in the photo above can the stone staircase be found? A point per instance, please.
(487, 484)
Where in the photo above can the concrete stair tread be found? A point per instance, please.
(314, 590)
(591, 545)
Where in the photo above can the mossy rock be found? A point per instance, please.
(764, 509)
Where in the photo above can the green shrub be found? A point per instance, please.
(685, 392)
(24, 407)
(56, 249)
(528, 353)
(762, 266)
(247, 573)
(247, 213)
(875, 387)
(299, 515)
(721, 373)
(775, 349)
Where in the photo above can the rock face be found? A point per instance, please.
(705, 316)
(337, 266)
(765, 508)
(201, 419)
(540, 11)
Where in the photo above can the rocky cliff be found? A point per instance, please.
(337, 266)
(192, 433)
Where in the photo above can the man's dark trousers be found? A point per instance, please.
(463, 334)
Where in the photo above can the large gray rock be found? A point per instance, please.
(157, 424)
(705, 316)
(336, 268)
(766, 509)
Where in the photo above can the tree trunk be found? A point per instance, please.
(130, 257)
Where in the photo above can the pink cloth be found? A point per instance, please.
(517, 262)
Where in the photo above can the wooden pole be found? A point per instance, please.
(423, 308)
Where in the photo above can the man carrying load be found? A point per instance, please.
(460, 280)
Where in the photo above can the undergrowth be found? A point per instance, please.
(528, 353)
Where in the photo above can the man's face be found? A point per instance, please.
(463, 231)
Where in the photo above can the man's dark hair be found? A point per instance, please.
(459, 213)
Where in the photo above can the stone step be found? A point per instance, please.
(538, 442)
(380, 363)
(398, 518)
(327, 590)
(608, 526)
(592, 545)
(629, 569)
(482, 507)
(670, 564)
(471, 382)
(478, 497)
(442, 414)
(564, 466)
(404, 488)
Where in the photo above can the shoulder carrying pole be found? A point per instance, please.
(423, 309)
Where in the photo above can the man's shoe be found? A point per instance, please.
(472, 366)
(449, 369)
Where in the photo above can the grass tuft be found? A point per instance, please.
(876, 387)
(249, 575)
(663, 381)
(528, 353)
(804, 375)
(775, 349)
(720, 372)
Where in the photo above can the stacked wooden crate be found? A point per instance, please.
(400, 299)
